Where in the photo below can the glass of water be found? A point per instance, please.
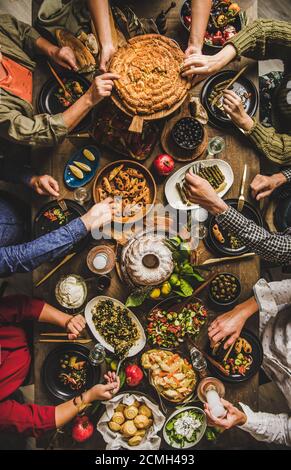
(81, 195)
(215, 145)
(97, 355)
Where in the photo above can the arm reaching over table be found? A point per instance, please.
(274, 247)
(32, 419)
(28, 256)
(265, 427)
(100, 14)
(273, 145)
(200, 11)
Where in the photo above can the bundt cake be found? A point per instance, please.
(148, 261)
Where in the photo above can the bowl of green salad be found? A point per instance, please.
(185, 427)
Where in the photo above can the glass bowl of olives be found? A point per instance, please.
(224, 290)
(188, 133)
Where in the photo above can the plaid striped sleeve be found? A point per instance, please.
(287, 173)
(274, 247)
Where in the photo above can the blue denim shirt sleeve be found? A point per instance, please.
(12, 173)
(28, 256)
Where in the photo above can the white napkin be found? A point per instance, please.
(115, 440)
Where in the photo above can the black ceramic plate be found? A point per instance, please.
(48, 103)
(257, 355)
(225, 249)
(42, 224)
(51, 370)
(243, 84)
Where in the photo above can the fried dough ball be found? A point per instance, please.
(118, 417)
(121, 407)
(136, 403)
(128, 429)
(130, 412)
(114, 426)
(145, 410)
(141, 422)
(135, 440)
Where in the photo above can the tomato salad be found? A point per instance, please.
(168, 328)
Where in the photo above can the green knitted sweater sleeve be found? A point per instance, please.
(276, 147)
(264, 39)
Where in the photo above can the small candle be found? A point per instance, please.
(100, 261)
(215, 406)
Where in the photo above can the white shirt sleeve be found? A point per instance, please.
(268, 427)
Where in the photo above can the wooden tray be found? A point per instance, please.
(137, 120)
(168, 143)
(150, 181)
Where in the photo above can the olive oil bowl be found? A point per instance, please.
(224, 291)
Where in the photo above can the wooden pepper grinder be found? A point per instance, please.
(161, 20)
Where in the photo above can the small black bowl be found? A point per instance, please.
(227, 304)
(187, 133)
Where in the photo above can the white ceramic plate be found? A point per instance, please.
(140, 343)
(200, 433)
(172, 193)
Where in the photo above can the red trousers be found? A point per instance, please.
(32, 420)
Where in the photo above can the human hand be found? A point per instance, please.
(192, 50)
(199, 191)
(198, 64)
(234, 416)
(75, 326)
(101, 87)
(107, 52)
(104, 391)
(112, 378)
(99, 214)
(65, 57)
(228, 325)
(233, 106)
(45, 185)
(262, 186)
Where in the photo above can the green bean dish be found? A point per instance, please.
(116, 326)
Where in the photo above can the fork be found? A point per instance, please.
(63, 206)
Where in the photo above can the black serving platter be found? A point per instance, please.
(217, 117)
(51, 369)
(48, 103)
(42, 225)
(257, 355)
(250, 212)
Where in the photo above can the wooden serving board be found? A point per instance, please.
(168, 143)
(137, 120)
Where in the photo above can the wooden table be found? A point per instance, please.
(237, 152)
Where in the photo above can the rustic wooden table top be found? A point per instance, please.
(237, 152)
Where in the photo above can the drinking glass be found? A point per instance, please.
(81, 195)
(97, 355)
(215, 145)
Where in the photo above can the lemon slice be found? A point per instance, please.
(76, 172)
(89, 155)
(83, 166)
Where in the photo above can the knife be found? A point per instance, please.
(241, 199)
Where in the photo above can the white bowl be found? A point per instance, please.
(200, 432)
